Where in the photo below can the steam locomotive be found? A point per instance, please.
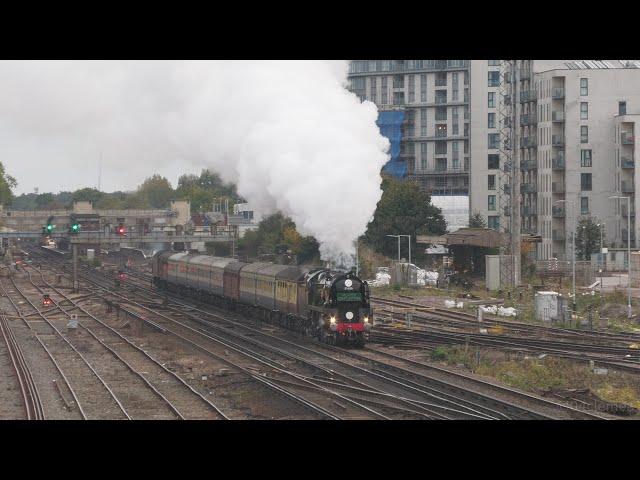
(329, 305)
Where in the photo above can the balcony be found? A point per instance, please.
(624, 210)
(624, 236)
(558, 235)
(528, 96)
(528, 119)
(558, 212)
(558, 163)
(557, 93)
(557, 140)
(528, 142)
(557, 116)
(507, 211)
(529, 230)
(627, 138)
(527, 210)
(507, 76)
(626, 162)
(507, 100)
(528, 188)
(506, 189)
(557, 187)
(528, 165)
(439, 170)
(626, 187)
(506, 167)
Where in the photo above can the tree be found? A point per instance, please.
(87, 194)
(275, 231)
(156, 191)
(588, 238)
(7, 184)
(404, 209)
(477, 221)
(44, 200)
(203, 190)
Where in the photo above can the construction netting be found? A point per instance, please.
(390, 124)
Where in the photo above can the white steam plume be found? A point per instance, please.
(287, 132)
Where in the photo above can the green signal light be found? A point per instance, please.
(49, 228)
(75, 227)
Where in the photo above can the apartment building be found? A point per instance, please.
(430, 103)
(573, 137)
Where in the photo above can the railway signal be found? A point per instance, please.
(120, 230)
(74, 228)
(46, 300)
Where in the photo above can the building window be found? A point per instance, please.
(466, 77)
(494, 140)
(494, 63)
(423, 122)
(493, 221)
(466, 147)
(455, 128)
(466, 129)
(584, 110)
(493, 161)
(622, 108)
(491, 120)
(584, 134)
(441, 96)
(491, 182)
(423, 87)
(373, 89)
(441, 113)
(441, 130)
(441, 148)
(454, 80)
(491, 203)
(585, 158)
(412, 88)
(398, 81)
(423, 163)
(492, 100)
(441, 79)
(383, 91)
(585, 182)
(584, 87)
(398, 98)
(466, 112)
(584, 205)
(494, 78)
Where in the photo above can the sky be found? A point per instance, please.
(287, 132)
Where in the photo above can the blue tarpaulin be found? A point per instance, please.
(390, 124)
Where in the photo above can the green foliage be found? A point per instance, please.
(404, 209)
(277, 231)
(477, 221)
(588, 238)
(203, 190)
(7, 184)
(87, 194)
(155, 192)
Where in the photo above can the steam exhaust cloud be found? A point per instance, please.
(287, 132)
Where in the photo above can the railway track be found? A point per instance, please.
(421, 386)
(176, 394)
(11, 355)
(444, 327)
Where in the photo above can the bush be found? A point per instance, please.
(439, 353)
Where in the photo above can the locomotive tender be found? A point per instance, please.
(332, 306)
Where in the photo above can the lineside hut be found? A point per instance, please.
(468, 246)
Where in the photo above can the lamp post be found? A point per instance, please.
(573, 248)
(628, 199)
(603, 255)
(398, 237)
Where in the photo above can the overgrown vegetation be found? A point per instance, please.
(536, 374)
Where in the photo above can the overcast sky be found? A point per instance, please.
(287, 132)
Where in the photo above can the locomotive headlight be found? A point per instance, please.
(332, 320)
(366, 319)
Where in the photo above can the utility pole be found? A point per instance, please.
(75, 268)
(409, 236)
(573, 247)
(628, 199)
